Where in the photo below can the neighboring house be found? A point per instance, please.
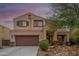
(30, 29)
(4, 36)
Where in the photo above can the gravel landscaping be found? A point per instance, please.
(60, 51)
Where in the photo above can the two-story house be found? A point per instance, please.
(4, 36)
(29, 29)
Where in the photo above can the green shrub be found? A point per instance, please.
(44, 44)
(74, 34)
(71, 41)
(76, 41)
(74, 37)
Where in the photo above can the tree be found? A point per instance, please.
(55, 24)
(69, 13)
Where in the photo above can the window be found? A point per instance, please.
(38, 23)
(29, 16)
(22, 23)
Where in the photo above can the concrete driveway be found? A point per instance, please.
(19, 51)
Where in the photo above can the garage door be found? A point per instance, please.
(5, 42)
(24, 40)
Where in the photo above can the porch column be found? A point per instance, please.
(13, 38)
(68, 37)
(55, 37)
(65, 39)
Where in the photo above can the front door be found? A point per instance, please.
(61, 39)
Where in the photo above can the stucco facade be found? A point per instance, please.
(32, 30)
(4, 34)
(29, 30)
(63, 34)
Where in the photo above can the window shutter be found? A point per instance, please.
(27, 23)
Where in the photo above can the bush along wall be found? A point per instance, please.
(74, 41)
(44, 45)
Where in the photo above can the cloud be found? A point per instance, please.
(12, 10)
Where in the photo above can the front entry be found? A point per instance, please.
(61, 39)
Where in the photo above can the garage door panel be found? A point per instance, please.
(26, 40)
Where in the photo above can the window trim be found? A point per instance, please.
(37, 25)
(21, 24)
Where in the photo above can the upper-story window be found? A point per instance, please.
(29, 17)
(38, 23)
(22, 23)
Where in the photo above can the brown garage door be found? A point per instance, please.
(24, 40)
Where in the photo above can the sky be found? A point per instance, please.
(8, 11)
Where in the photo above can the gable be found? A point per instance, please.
(29, 16)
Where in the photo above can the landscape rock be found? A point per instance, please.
(61, 51)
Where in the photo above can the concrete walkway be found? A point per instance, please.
(19, 51)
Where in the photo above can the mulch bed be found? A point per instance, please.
(60, 51)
